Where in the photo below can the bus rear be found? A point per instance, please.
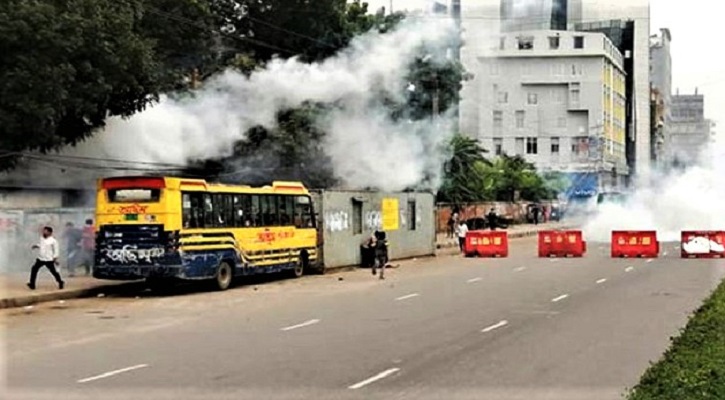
(138, 223)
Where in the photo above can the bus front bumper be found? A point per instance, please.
(136, 272)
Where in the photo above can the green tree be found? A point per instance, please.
(67, 66)
(465, 172)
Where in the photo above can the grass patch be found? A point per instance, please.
(694, 366)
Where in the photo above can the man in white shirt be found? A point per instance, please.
(47, 257)
(462, 230)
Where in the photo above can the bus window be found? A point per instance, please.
(303, 212)
(286, 210)
(222, 211)
(237, 211)
(134, 195)
(193, 212)
(256, 214)
(208, 211)
(271, 215)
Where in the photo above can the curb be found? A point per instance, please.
(23, 301)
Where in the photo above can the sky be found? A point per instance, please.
(692, 24)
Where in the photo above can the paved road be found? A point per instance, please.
(448, 328)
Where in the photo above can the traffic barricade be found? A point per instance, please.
(703, 244)
(488, 244)
(562, 244)
(635, 244)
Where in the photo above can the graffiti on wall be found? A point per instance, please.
(373, 220)
(337, 221)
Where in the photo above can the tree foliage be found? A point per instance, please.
(471, 177)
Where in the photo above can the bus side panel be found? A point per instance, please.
(203, 264)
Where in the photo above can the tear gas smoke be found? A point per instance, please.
(367, 148)
(670, 203)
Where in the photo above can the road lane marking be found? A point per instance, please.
(629, 269)
(408, 296)
(302, 325)
(375, 378)
(519, 269)
(474, 280)
(650, 260)
(112, 373)
(560, 298)
(494, 327)
(599, 282)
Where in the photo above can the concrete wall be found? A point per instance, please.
(345, 226)
(30, 199)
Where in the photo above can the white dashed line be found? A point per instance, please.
(599, 282)
(629, 269)
(560, 298)
(520, 269)
(494, 327)
(474, 280)
(302, 325)
(112, 373)
(408, 296)
(375, 378)
(650, 260)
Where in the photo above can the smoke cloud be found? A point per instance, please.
(670, 203)
(367, 148)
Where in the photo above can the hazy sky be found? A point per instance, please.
(693, 24)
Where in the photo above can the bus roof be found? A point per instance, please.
(193, 184)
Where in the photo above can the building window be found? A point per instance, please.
(357, 217)
(554, 42)
(503, 97)
(555, 146)
(578, 42)
(575, 92)
(495, 68)
(498, 146)
(559, 95)
(412, 218)
(502, 43)
(519, 146)
(532, 145)
(533, 99)
(580, 147)
(520, 116)
(498, 119)
(526, 42)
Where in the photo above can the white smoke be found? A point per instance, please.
(366, 147)
(670, 203)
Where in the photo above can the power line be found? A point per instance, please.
(279, 28)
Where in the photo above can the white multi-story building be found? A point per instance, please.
(555, 97)
(486, 21)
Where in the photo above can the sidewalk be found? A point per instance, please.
(514, 232)
(15, 293)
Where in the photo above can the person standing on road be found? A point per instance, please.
(88, 246)
(536, 211)
(381, 253)
(492, 219)
(462, 230)
(47, 257)
(72, 237)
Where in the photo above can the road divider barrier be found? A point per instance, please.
(561, 244)
(635, 244)
(488, 244)
(703, 244)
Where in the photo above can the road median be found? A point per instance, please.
(694, 366)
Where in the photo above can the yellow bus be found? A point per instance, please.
(160, 228)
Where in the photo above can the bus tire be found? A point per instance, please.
(224, 276)
(300, 266)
